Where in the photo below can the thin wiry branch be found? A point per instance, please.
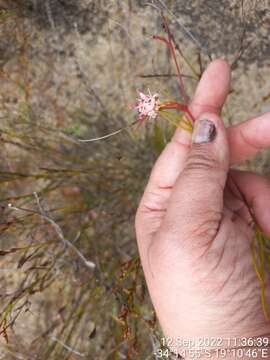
(163, 7)
(49, 15)
(58, 230)
(67, 347)
(146, 76)
(89, 88)
(242, 48)
(110, 134)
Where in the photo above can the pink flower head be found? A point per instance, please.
(147, 105)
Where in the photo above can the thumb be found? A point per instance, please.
(196, 203)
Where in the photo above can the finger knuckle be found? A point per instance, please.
(201, 160)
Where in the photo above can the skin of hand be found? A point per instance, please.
(194, 228)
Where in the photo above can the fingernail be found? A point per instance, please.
(204, 131)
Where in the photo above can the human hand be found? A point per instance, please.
(193, 224)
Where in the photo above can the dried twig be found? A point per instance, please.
(58, 230)
(67, 347)
(162, 6)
